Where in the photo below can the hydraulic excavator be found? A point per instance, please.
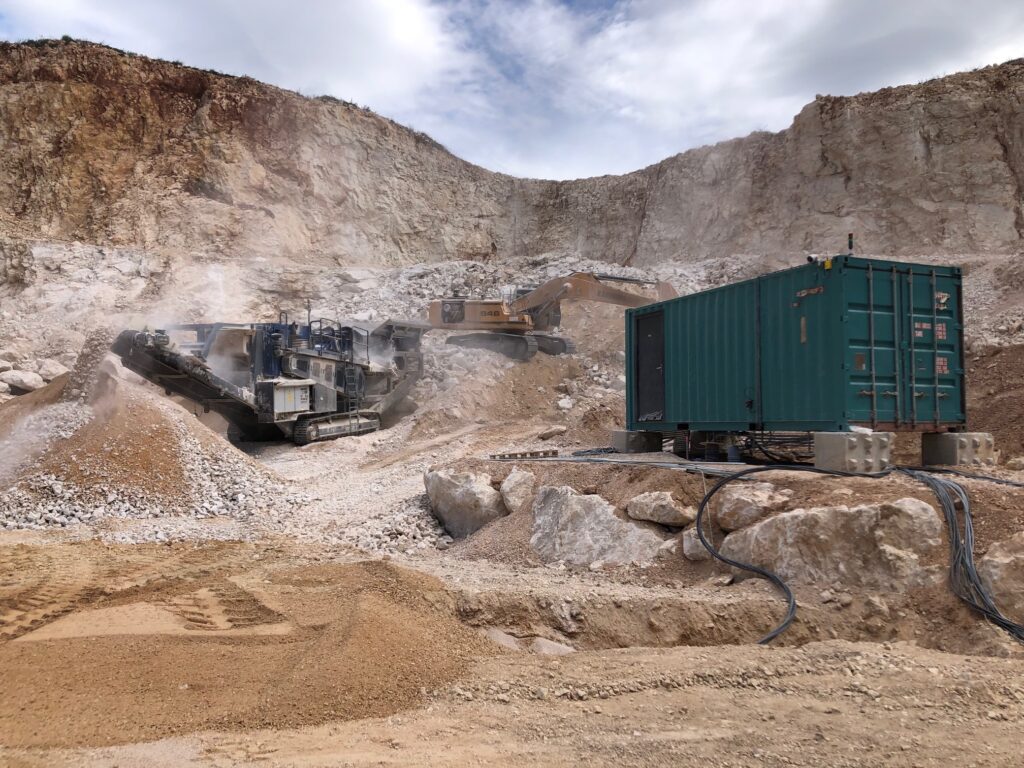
(519, 324)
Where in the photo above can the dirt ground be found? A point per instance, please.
(116, 645)
(238, 654)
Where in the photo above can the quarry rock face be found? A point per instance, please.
(582, 529)
(463, 502)
(876, 545)
(157, 155)
(1002, 571)
(517, 490)
(741, 504)
(660, 507)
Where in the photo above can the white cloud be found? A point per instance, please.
(551, 87)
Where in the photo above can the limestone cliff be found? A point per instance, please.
(114, 149)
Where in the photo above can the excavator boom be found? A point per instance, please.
(587, 286)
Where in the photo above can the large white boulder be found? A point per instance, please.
(22, 381)
(463, 502)
(876, 545)
(693, 548)
(660, 507)
(583, 529)
(1002, 571)
(6, 365)
(517, 490)
(50, 369)
(744, 503)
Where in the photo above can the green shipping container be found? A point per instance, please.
(821, 347)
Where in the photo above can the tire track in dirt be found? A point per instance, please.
(37, 587)
(54, 588)
(222, 606)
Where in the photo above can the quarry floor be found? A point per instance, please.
(305, 636)
(271, 653)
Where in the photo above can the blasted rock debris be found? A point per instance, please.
(660, 507)
(463, 502)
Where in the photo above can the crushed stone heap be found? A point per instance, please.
(127, 452)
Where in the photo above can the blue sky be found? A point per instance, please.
(554, 89)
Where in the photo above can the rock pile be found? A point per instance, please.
(80, 469)
(409, 529)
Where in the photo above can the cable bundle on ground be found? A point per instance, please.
(964, 579)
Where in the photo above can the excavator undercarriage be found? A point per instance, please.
(518, 346)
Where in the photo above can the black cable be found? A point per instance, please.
(764, 572)
(961, 473)
(964, 579)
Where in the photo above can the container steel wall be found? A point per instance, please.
(801, 349)
(817, 348)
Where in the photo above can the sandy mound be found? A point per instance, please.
(124, 451)
(217, 645)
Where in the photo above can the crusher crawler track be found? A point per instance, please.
(314, 430)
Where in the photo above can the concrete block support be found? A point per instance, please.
(853, 451)
(957, 448)
(626, 441)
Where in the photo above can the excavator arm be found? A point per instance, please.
(586, 286)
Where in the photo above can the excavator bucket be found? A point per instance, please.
(665, 291)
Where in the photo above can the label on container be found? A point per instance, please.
(921, 327)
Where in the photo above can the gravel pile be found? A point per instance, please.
(410, 529)
(32, 434)
(217, 483)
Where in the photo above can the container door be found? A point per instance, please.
(875, 356)
(931, 350)
(650, 367)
